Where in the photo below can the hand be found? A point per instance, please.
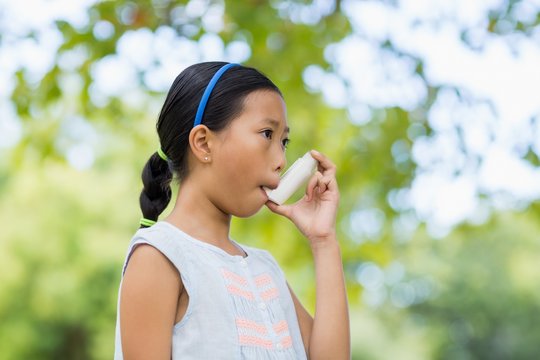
(315, 214)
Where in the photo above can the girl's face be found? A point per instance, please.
(250, 154)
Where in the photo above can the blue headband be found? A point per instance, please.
(208, 92)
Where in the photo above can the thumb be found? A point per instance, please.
(283, 210)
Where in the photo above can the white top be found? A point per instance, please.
(239, 308)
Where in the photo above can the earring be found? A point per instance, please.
(206, 158)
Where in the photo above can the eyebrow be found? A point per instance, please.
(275, 123)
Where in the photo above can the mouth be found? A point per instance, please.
(272, 186)
(265, 190)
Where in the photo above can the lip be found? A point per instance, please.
(264, 192)
(272, 186)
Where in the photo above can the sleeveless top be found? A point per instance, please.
(239, 308)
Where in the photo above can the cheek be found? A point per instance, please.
(238, 181)
(233, 173)
(239, 160)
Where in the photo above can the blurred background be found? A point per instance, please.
(429, 108)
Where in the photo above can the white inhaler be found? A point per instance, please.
(294, 177)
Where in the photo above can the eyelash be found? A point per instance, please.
(268, 134)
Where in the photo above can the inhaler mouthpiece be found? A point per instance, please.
(294, 177)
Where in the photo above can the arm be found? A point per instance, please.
(330, 334)
(148, 302)
(327, 335)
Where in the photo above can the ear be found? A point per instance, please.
(201, 139)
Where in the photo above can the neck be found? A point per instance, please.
(197, 216)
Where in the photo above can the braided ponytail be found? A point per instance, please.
(156, 193)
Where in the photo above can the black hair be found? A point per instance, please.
(176, 119)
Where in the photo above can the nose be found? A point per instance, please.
(281, 161)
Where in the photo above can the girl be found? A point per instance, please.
(189, 291)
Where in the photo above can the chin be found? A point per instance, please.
(247, 212)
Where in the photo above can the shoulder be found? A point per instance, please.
(159, 231)
(148, 299)
(152, 260)
(148, 264)
(166, 244)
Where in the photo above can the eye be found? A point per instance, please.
(285, 142)
(267, 134)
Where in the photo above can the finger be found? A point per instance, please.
(312, 183)
(325, 165)
(330, 182)
(283, 210)
(323, 184)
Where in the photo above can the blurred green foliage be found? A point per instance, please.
(65, 231)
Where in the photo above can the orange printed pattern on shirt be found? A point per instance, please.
(281, 327)
(255, 341)
(239, 292)
(234, 277)
(270, 294)
(251, 325)
(251, 331)
(263, 280)
(286, 342)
